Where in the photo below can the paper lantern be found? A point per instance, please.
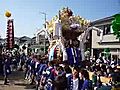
(7, 14)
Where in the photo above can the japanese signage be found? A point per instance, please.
(10, 34)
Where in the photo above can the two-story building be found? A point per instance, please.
(42, 43)
(109, 39)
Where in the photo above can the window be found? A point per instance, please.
(100, 27)
(40, 42)
(106, 30)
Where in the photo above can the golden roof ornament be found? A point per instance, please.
(8, 14)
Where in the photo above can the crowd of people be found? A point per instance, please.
(53, 75)
(9, 62)
(49, 75)
(103, 67)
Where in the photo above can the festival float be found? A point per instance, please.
(67, 33)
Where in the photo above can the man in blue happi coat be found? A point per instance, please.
(6, 68)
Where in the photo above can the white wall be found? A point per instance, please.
(106, 38)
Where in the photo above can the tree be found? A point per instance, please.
(107, 52)
(116, 25)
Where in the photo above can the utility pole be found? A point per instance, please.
(44, 18)
(45, 32)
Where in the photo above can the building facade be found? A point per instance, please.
(109, 39)
(42, 43)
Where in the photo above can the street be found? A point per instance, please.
(16, 82)
(59, 45)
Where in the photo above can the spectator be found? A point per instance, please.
(68, 71)
(87, 85)
(60, 82)
(74, 81)
(94, 78)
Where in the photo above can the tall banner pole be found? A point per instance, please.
(10, 31)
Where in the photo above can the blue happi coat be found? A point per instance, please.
(6, 66)
(74, 56)
(70, 83)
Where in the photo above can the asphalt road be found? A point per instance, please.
(16, 82)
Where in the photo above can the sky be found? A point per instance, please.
(28, 18)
